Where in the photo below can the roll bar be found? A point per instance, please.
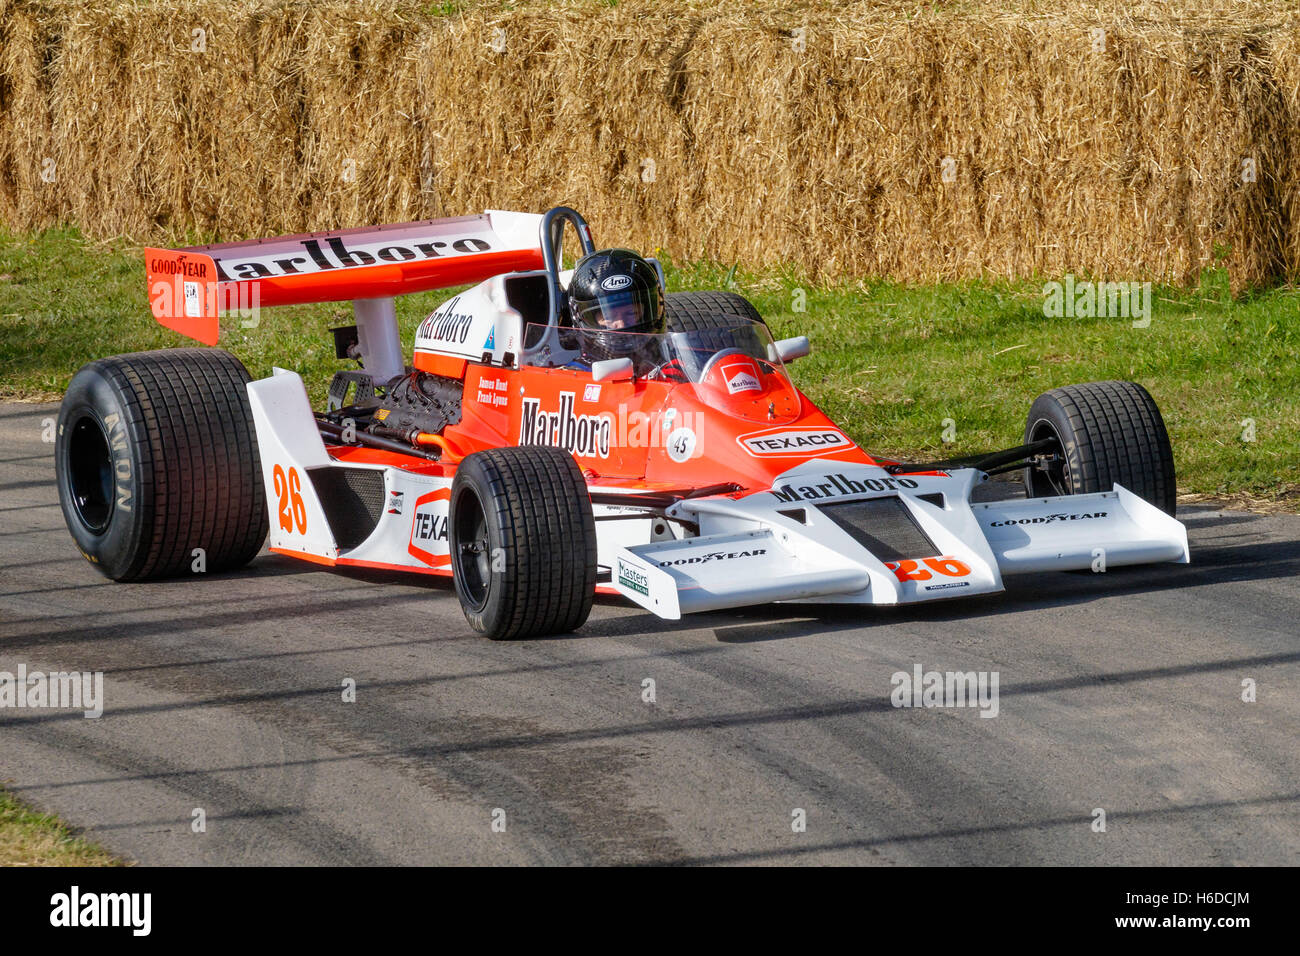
(552, 241)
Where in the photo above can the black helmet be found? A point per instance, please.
(614, 290)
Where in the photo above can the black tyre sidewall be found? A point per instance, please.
(471, 480)
(92, 394)
(694, 311)
(1047, 410)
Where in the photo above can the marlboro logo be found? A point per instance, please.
(741, 378)
(447, 325)
(837, 486)
(326, 253)
(586, 436)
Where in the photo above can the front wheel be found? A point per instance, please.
(697, 311)
(1109, 433)
(523, 542)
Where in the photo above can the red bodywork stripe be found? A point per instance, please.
(313, 558)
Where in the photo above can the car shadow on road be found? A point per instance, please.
(1161, 814)
(452, 742)
(1212, 565)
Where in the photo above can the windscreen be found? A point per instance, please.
(732, 362)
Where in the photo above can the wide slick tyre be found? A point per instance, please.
(157, 465)
(523, 542)
(1109, 433)
(695, 311)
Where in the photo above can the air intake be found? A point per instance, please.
(353, 499)
(883, 526)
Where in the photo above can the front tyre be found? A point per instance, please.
(523, 542)
(1109, 433)
(155, 457)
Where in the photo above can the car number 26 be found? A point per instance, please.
(288, 490)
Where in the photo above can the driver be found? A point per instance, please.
(615, 291)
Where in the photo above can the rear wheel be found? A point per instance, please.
(1109, 433)
(692, 311)
(523, 542)
(156, 456)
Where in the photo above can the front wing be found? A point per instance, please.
(832, 532)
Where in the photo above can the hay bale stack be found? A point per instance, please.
(839, 139)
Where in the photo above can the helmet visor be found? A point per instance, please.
(624, 311)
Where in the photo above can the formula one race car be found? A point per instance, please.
(562, 433)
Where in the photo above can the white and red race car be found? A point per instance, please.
(712, 482)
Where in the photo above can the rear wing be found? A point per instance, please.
(190, 288)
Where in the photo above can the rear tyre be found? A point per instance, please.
(523, 542)
(155, 456)
(1109, 432)
(693, 311)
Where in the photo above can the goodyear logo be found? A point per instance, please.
(1049, 519)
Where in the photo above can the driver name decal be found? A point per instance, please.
(586, 436)
(796, 443)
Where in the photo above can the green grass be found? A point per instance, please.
(890, 362)
(31, 838)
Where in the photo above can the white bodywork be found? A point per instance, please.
(476, 323)
(412, 530)
(749, 552)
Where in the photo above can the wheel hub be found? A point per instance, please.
(90, 474)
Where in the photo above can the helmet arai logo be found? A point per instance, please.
(614, 283)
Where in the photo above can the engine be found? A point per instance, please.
(417, 403)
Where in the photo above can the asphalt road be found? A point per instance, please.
(1120, 691)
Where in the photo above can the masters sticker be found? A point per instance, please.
(633, 578)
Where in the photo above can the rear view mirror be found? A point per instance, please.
(619, 369)
(787, 350)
